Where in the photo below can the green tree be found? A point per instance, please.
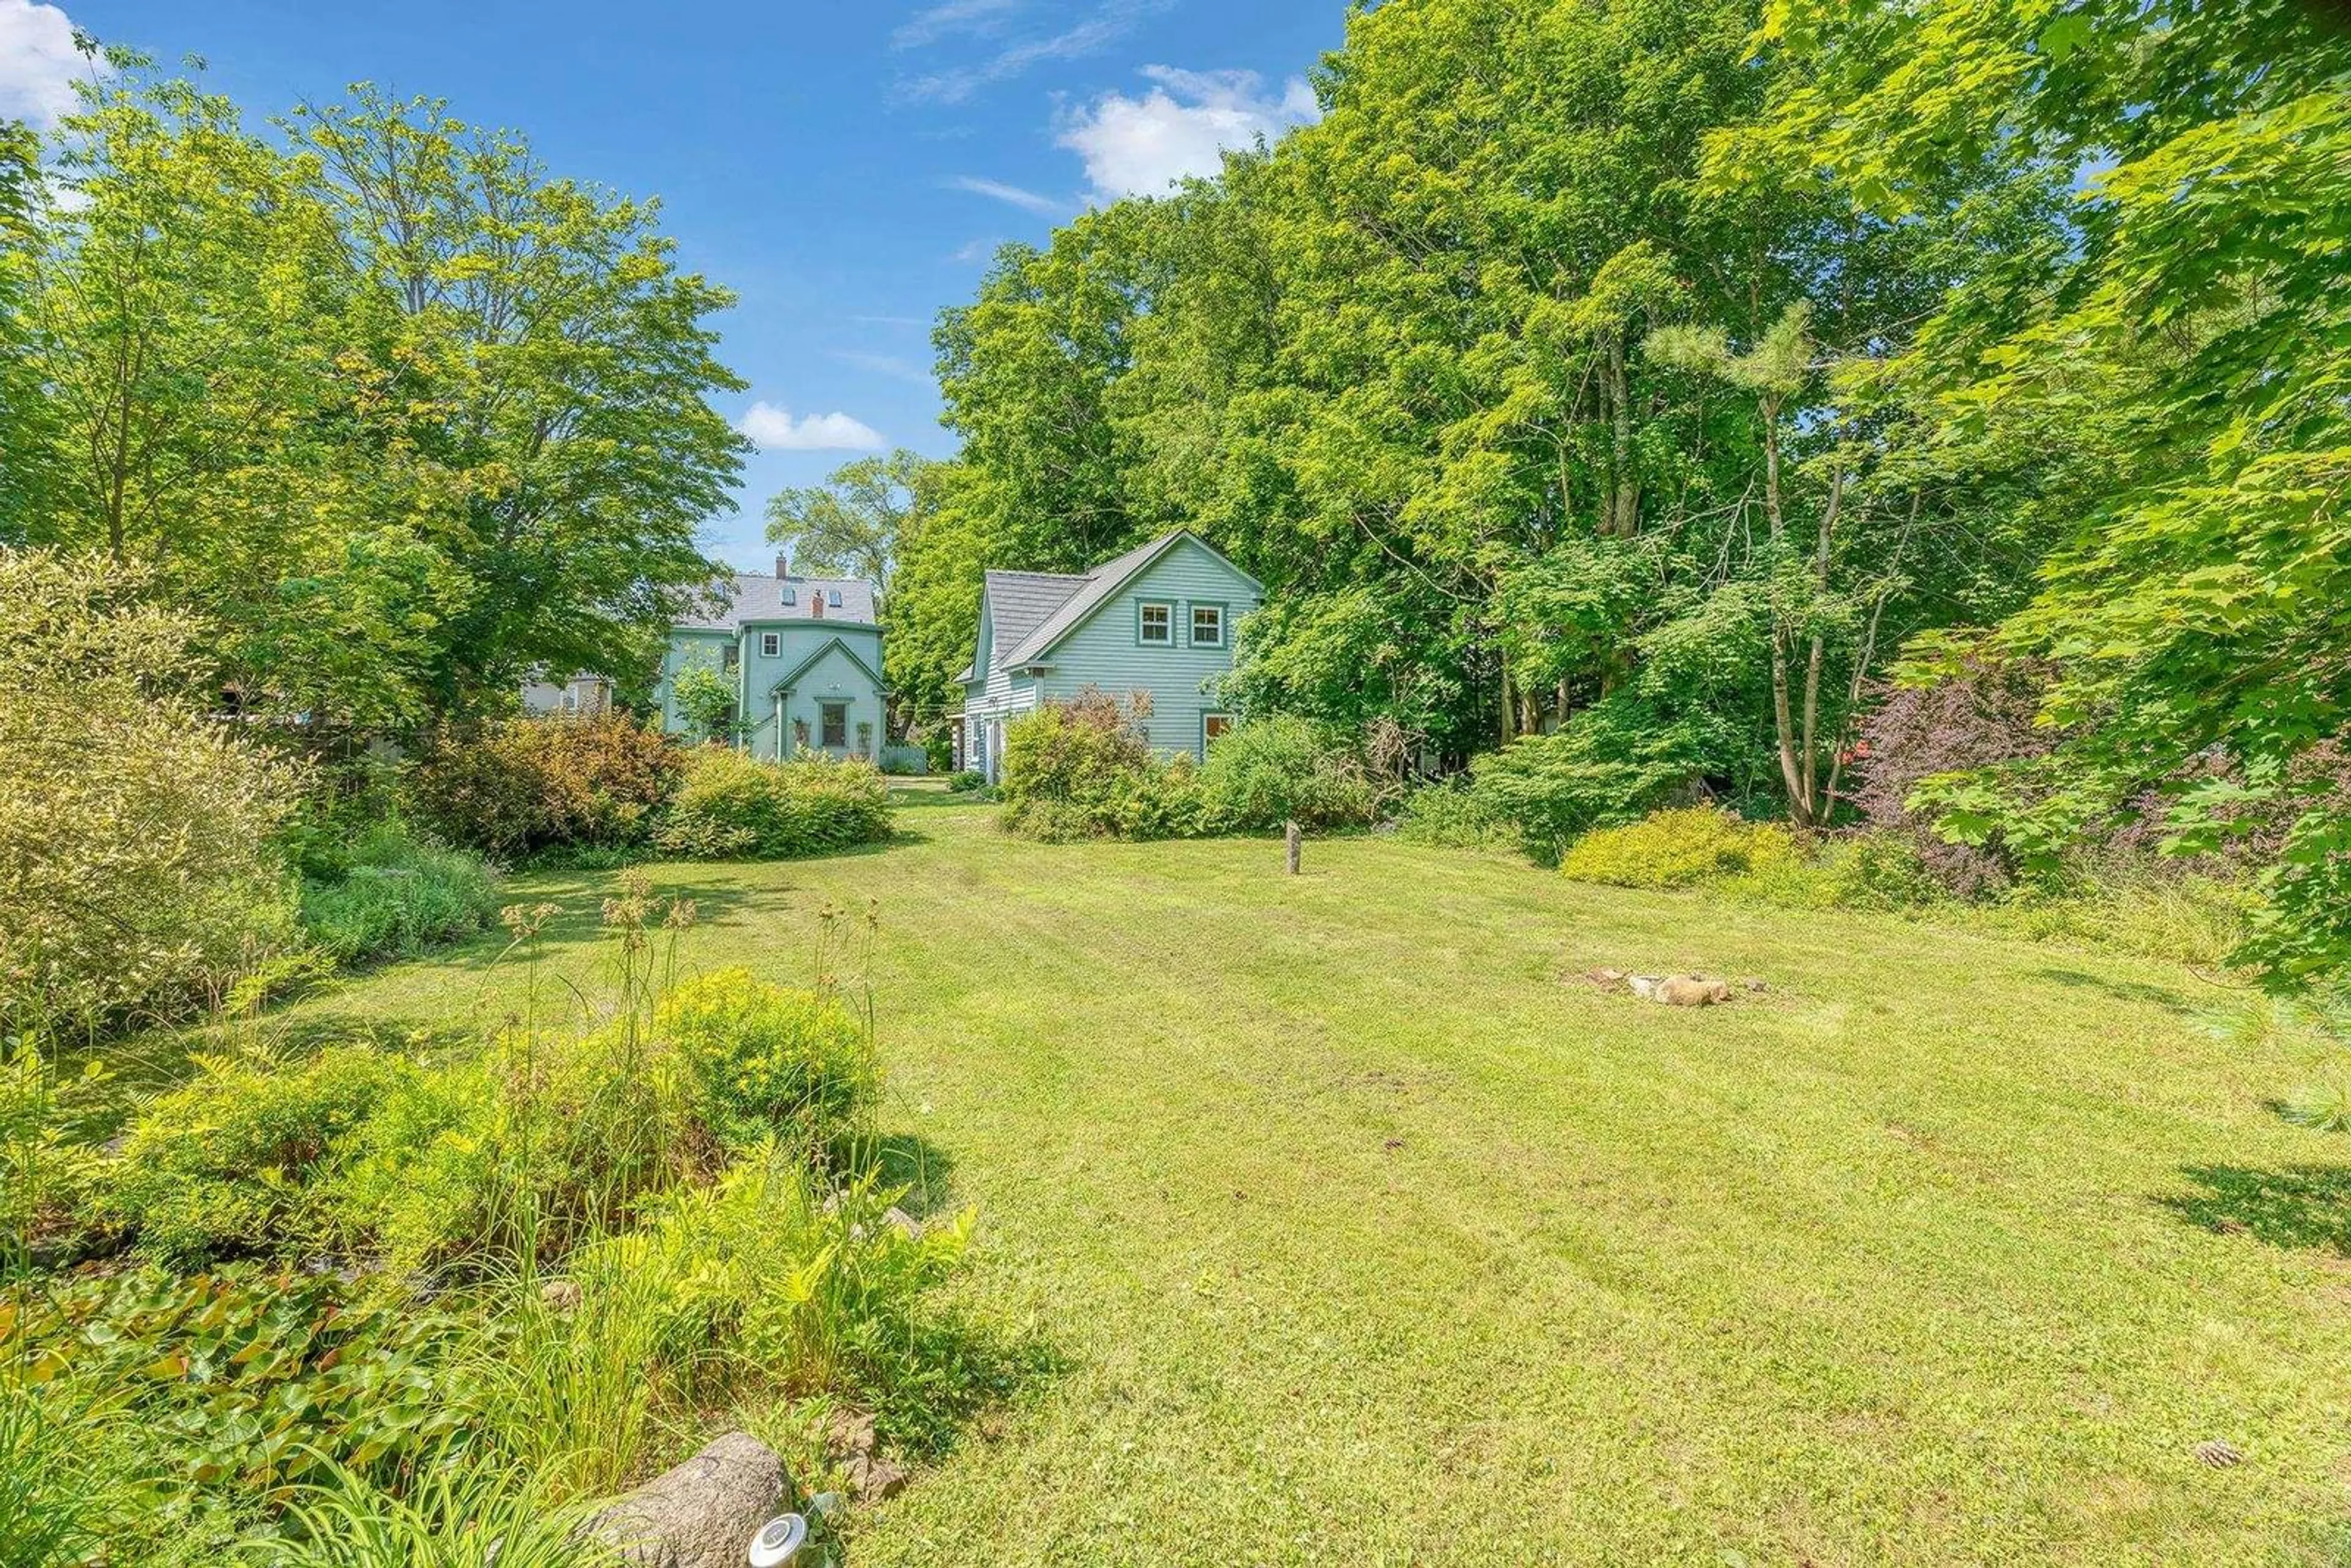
(2194, 334)
(24, 447)
(550, 375)
(859, 521)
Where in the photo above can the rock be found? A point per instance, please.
(2219, 1453)
(1607, 979)
(704, 1513)
(561, 1296)
(849, 1433)
(1679, 991)
(907, 1224)
(874, 1479)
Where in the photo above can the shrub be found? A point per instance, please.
(766, 1062)
(734, 805)
(1076, 770)
(1284, 768)
(1453, 816)
(222, 1166)
(1608, 765)
(519, 786)
(964, 780)
(1679, 849)
(138, 874)
(396, 894)
(1983, 717)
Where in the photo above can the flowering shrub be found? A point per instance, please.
(766, 1061)
(511, 787)
(734, 805)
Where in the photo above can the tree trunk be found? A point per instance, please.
(1624, 505)
(1783, 722)
(1290, 845)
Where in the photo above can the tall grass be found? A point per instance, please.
(457, 1515)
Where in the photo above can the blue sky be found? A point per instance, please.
(844, 165)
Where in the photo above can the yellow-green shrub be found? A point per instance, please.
(734, 805)
(1681, 849)
(139, 872)
(768, 1062)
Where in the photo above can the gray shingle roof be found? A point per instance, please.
(1019, 602)
(744, 596)
(1034, 609)
(1093, 587)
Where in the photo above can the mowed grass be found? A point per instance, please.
(1366, 1230)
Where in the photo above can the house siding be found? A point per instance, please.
(835, 678)
(1105, 652)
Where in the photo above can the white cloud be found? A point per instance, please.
(1110, 21)
(1138, 146)
(977, 250)
(774, 430)
(38, 62)
(932, 24)
(1001, 191)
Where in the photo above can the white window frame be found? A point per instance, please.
(1219, 611)
(769, 644)
(1143, 610)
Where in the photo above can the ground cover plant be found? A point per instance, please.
(1361, 1222)
(525, 1266)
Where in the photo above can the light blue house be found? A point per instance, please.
(803, 653)
(1159, 621)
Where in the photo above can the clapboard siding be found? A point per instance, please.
(834, 678)
(1106, 651)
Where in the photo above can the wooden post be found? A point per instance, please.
(1290, 836)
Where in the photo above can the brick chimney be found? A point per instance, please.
(783, 565)
(816, 604)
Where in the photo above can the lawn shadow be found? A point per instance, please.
(2121, 990)
(2293, 1206)
(911, 1161)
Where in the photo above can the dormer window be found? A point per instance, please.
(790, 597)
(832, 597)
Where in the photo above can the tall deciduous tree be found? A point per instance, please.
(550, 376)
(2196, 333)
(860, 520)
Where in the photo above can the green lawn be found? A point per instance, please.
(1366, 1230)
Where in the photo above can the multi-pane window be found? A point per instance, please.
(1158, 624)
(836, 723)
(1208, 625)
(769, 642)
(1213, 725)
